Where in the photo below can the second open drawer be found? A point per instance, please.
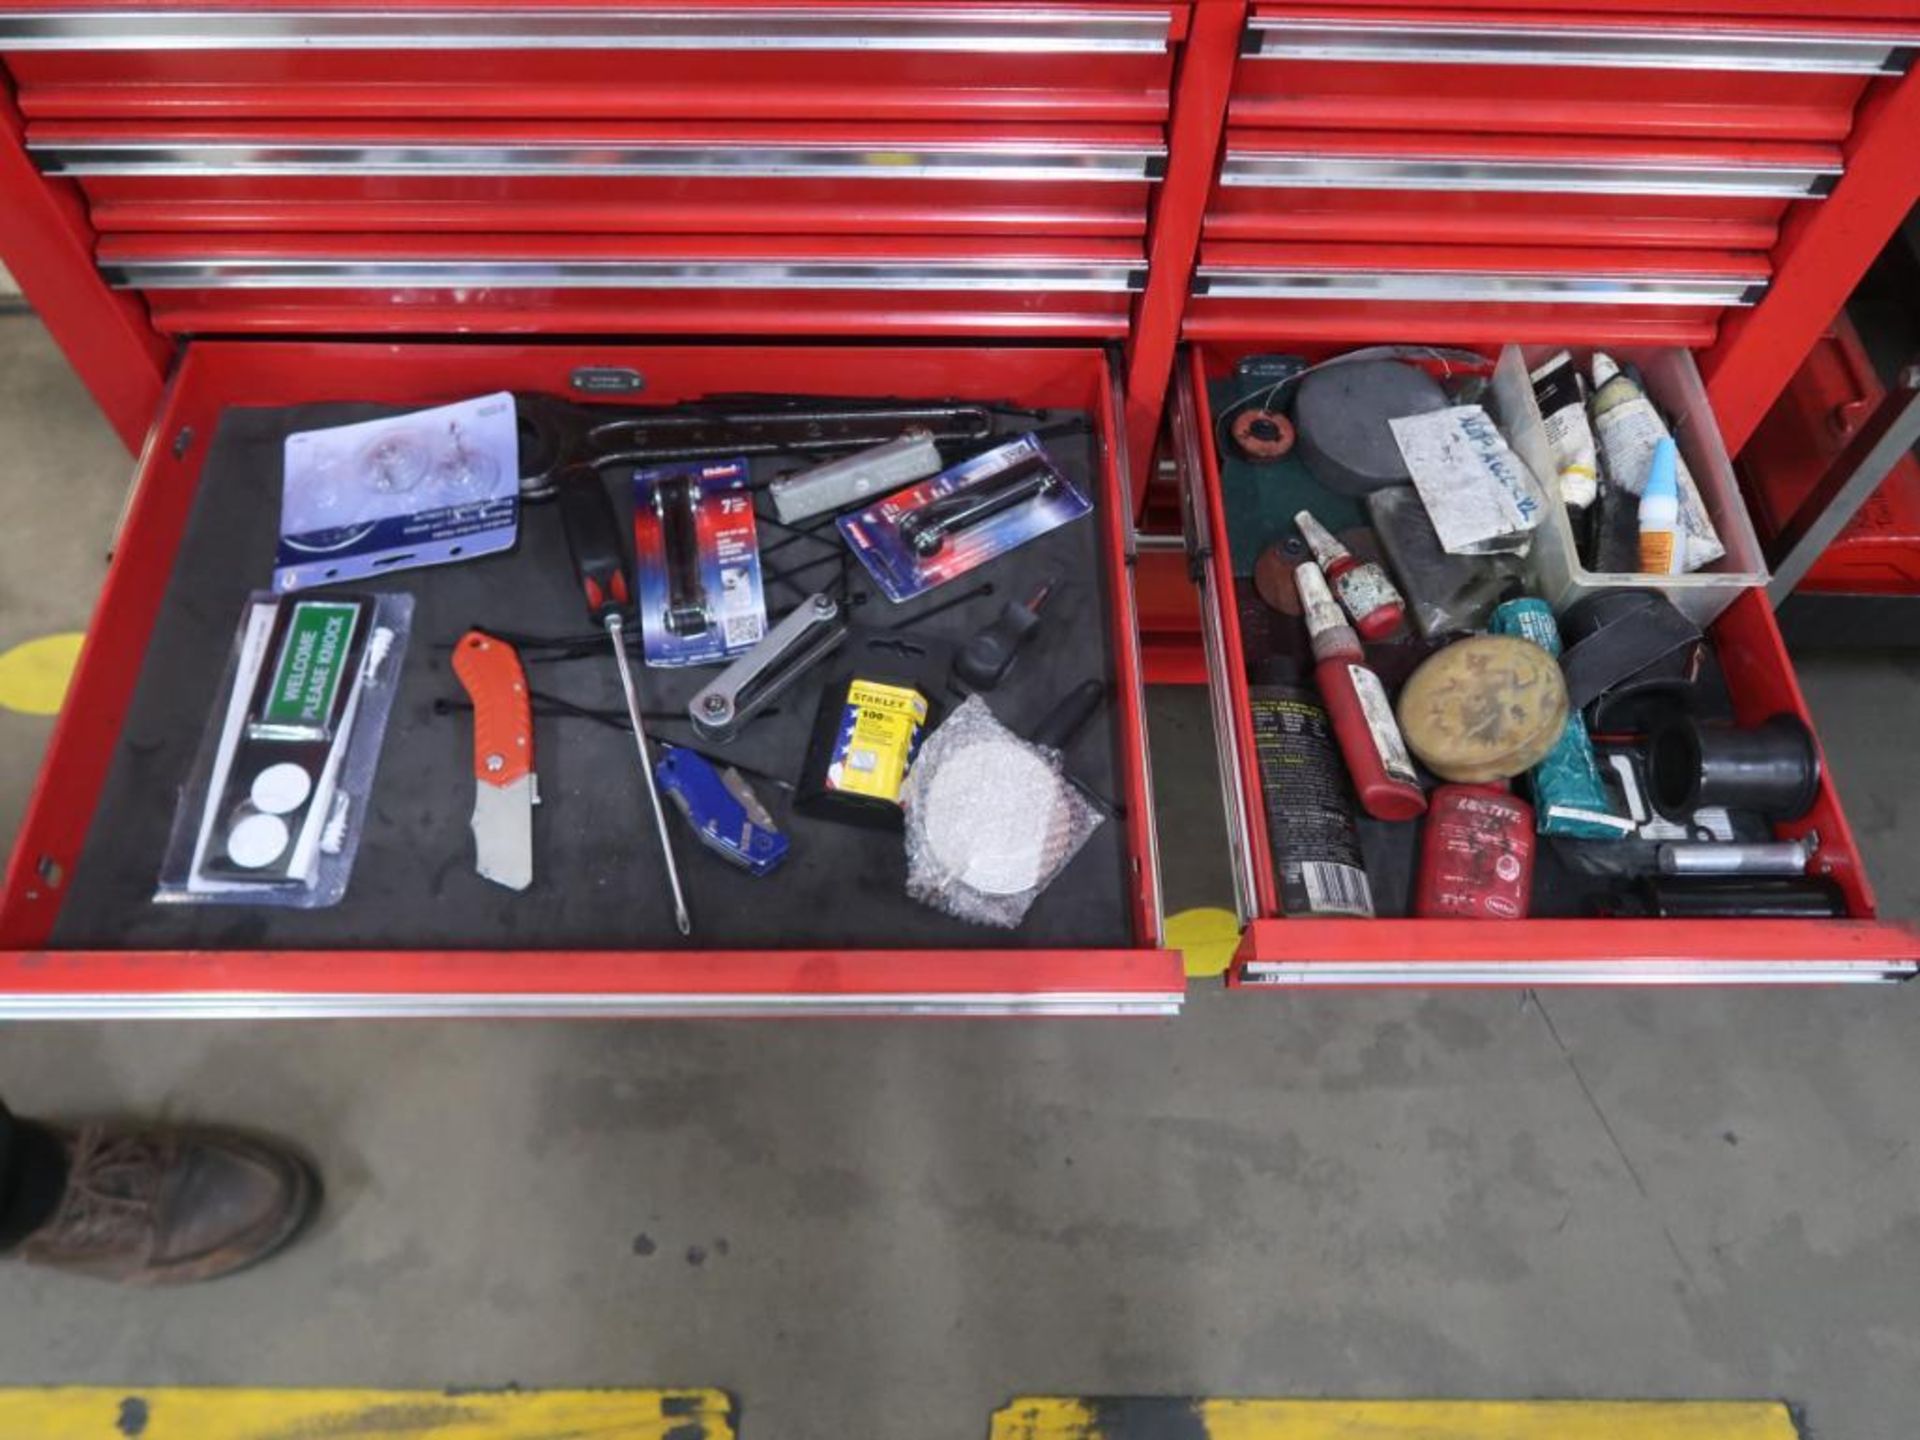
(1279, 952)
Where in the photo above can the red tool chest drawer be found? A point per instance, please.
(1832, 396)
(1535, 72)
(1425, 292)
(980, 974)
(722, 59)
(1279, 952)
(743, 168)
(695, 284)
(1511, 190)
(534, 177)
(1500, 172)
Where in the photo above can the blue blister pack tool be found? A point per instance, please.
(724, 812)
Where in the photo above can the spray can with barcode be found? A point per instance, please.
(1309, 806)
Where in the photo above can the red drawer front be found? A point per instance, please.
(1378, 293)
(586, 285)
(1528, 73)
(1521, 190)
(816, 61)
(1783, 12)
(1291, 952)
(589, 179)
(1834, 392)
(36, 982)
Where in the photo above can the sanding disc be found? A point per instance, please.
(1273, 575)
(1341, 414)
(994, 818)
(1485, 708)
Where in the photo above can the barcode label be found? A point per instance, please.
(1336, 889)
(742, 631)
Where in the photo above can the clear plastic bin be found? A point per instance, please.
(1675, 387)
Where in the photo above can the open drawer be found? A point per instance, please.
(1279, 951)
(419, 933)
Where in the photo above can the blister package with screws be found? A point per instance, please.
(272, 811)
(991, 819)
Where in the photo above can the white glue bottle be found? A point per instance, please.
(1662, 545)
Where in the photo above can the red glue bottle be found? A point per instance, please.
(1363, 587)
(1370, 739)
(1476, 858)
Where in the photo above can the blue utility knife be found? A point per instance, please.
(725, 814)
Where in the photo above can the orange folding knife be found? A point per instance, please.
(505, 789)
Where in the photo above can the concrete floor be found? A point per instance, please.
(886, 1229)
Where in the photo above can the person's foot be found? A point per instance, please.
(167, 1206)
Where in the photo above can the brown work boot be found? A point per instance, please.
(167, 1206)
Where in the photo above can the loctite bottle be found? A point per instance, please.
(1476, 858)
(1362, 585)
(1369, 736)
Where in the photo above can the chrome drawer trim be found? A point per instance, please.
(324, 274)
(1196, 521)
(1309, 974)
(223, 1005)
(996, 31)
(986, 161)
(1275, 171)
(1216, 282)
(1639, 48)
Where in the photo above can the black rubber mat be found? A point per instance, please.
(598, 879)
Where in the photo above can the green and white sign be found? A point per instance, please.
(312, 664)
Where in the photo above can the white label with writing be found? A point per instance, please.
(1481, 497)
(1385, 730)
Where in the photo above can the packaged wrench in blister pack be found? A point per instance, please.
(698, 556)
(974, 512)
(272, 811)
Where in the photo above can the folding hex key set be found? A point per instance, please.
(910, 234)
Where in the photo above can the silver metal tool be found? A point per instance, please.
(601, 566)
(761, 675)
(840, 483)
(615, 631)
(1780, 857)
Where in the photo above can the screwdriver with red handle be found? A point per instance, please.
(600, 567)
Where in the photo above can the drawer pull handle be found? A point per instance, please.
(323, 274)
(746, 162)
(1622, 47)
(1217, 282)
(1269, 170)
(998, 31)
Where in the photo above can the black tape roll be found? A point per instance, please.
(1262, 436)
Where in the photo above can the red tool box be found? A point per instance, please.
(247, 205)
(1487, 175)
(1833, 394)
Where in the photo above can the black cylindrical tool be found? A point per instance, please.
(1773, 768)
(1068, 717)
(983, 661)
(1726, 897)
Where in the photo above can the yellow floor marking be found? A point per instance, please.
(1205, 938)
(1049, 1418)
(104, 1413)
(34, 673)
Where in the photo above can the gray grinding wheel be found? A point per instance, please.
(1341, 415)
